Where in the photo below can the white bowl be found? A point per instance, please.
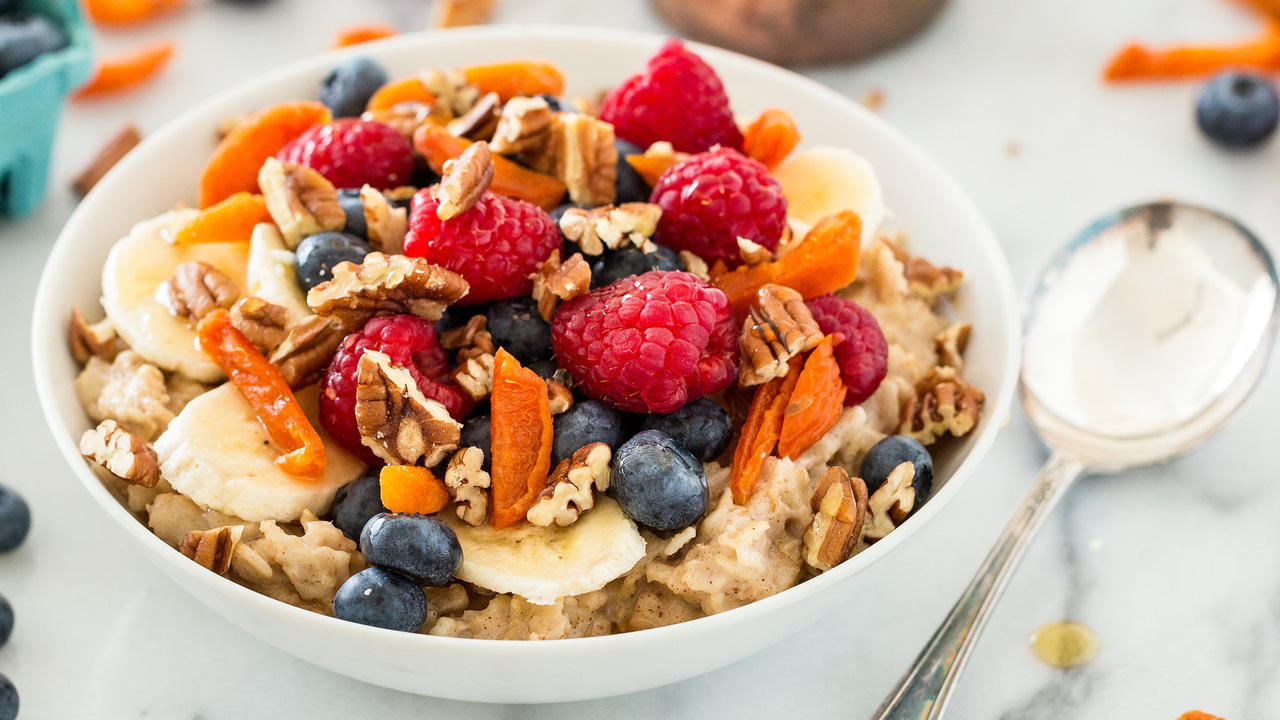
(941, 222)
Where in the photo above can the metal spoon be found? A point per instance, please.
(1141, 339)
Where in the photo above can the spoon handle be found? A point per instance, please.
(923, 692)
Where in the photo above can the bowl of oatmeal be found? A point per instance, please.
(505, 358)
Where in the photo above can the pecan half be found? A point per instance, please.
(951, 343)
(594, 230)
(265, 324)
(468, 483)
(923, 278)
(582, 153)
(396, 421)
(944, 403)
(474, 374)
(304, 354)
(88, 341)
(555, 281)
(465, 180)
(195, 290)
(753, 253)
(121, 453)
(113, 152)
(525, 126)
(890, 504)
(569, 493)
(212, 549)
(458, 13)
(301, 201)
(480, 121)
(778, 327)
(559, 397)
(839, 504)
(386, 285)
(470, 340)
(387, 225)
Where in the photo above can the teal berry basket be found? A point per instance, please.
(31, 101)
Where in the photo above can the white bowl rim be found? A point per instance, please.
(999, 399)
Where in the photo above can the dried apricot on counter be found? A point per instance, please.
(517, 77)
(231, 220)
(771, 138)
(509, 179)
(125, 71)
(122, 12)
(235, 163)
(1197, 715)
(521, 433)
(1139, 62)
(357, 34)
(408, 89)
(816, 402)
(761, 431)
(412, 489)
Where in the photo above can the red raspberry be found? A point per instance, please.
(494, 245)
(863, 354)
(678, 98)
(649, 343)
(409, 341)
(712, 199)
(353, 153)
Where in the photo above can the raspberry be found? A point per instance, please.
(409, 341)
(353, 153)
(678, 98)
(714, 198)
(494, 245)
(863, 354)
(649, 343)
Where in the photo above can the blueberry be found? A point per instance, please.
(23, 38)
(631, 187)
(318, 254)
(1238, 110)
(347, 88)
(476, 433)
(15, 519)
(457, 316)
(381, 598)
(419, 547)
(516, 325)
(546, 369)
(891, 452)
(554, 102)
(626, 262)
(6, 620)
(355, 503)
(8, 699)
(353, 205)
(701, 427)
(658, 483)
(586, 422)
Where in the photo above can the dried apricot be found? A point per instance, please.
(1139, 62)
(395, 92)
(517, 77)
(816, 402)
(1197, 715)
(509, 179)
(123, 12)
(231, 220)
(772, 137)
(761, 431)
(357, 34)
(651, 167)
(521, 433)
(235, 163)
(125, 71)
(412, 489)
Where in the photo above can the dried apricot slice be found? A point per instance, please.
(772, 137)
(123, 12)
(129, 69)
(412, 489)
(521, 434)
(231, 220)
(816, 402)
(1139, 62)
(408, 89)
(761, 431)
(650, 167)
(517, 77)
(1197, 715)
(356, 34)
(509, 179)
(235, 163)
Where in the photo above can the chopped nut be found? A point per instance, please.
(944, 403)
(465, 180)
(454, 95)
(695, 264)
(113, 152)
(890, 504)
(386, 285)
(405, 117)
(128, 390)
(306, 351)
(471, 340)
(468, 482)
(301, 201)
(792, 235)
(753, 253)
(924, 279)
(555, 281)
(458, 13)
(840, 505)
(195, 290)
(778, 327)
(475, 375)
(581, 152)
(559, 397)
(387, 225)
(480, 121)
(97, 340)
(265, 324)
(121, 453)
(950, 344)
(525, 126)
(213, 549)
(594, 230)
(664, 150)
(396, 421)
(590, 105)
(569, 492)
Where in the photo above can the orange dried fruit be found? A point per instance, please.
(396, 92)
(772, 137)
(816, 402)
(123, 12)
(761, 431)
(235, 163)
(521, 433)
(231, 220)
(509, 179)
(516, 77)
(356, 34)
(127, 70)
(412, 489)
(651, 167)
(1197, 715)
(1139, 62)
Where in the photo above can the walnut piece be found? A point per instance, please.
(128, 390)
(405, 117)
(480, 122)
(121, 453)
(459, 13)
(454, 95)
(97, 340)
(840, 506)
(951, 343)
(559, 397)
(301, 201)
(595, 229)
(555, 281)
(265, 324)
(923, 278)
(468, 483)
(890, 504)
(387, 225)
(470, 340)
(386, 285)
(663, 150)
(475, 375)
(525, 126)
(195, 290)
(753, 253)
(944, 403)
(465, 180)
(307, 349)
(695, 264)
(581, 152)
(212, 549)
(778, 327)
(396, 421)
(569, 493)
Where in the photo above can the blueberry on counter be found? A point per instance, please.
(318, 254)
(658, 483)
(355, 504)
(702, 427)
(24, 38)
(891, 452)
(585, 422)
(613, 266)
(381, 598)
(347, 88)
(8, 699)
(353, 205)
(631, 187)
(516, 325)
(421, 548)
(1237, 109)
(15, 519)
(6, 620)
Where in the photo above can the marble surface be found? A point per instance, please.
(1177, 567)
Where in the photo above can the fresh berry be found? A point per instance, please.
(546, 369)
(6, 620)
(553, 102)
(678, 98)
(649, 343)
(353, 205)
(421, 548)
(658, 483)
(613, 266)
(1238, 109)
(23, 38)
(586, 422)
(15, 519)
(355, 504)
(353, 153)
(477, 433)
(630, 186)
(8, 699)
(347, 88)
(410, 342)
(891, 452)
(319, 254)
(381, 598)
(494, 245)
(702, 427)
(863, 354)
(716, 197)
(516, 325)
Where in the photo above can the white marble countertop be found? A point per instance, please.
(1177, 568)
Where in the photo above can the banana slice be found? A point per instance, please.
(216, 453)
(824, 180)
(272, 275)
(137, 266)
(542, 564)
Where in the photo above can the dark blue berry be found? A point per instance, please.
(702, 427)
(586, 422)
(476, 432)
(516, 325)
(8, 699)
(318, 254)
(613, 266)
(546, 369)
(355, 504)
(658, 483)
(891, 452)
(631, 187)
(6, 620)
(347, 88)
(456, 316)
(421, 548)
(23, 38)
(15, 519)
(553, 102)
(353, 205)
(1238, 110)
(381, 598)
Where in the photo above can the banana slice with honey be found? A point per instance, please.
(825, 180)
